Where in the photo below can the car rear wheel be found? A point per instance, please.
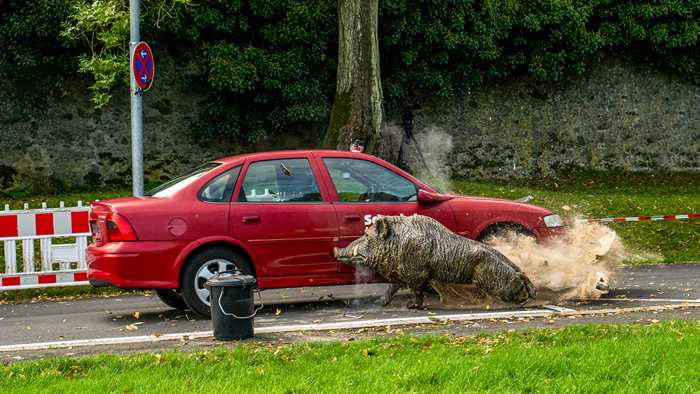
(203, 266)
(171, 298)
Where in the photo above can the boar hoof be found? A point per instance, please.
(390, 292)
(417, 300)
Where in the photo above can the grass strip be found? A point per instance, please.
(660, 357)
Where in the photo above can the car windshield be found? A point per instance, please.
(174, 185)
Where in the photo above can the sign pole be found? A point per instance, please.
(136, 105)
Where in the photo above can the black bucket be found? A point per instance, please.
(232, 307)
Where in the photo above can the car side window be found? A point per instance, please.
(273, 181)
(220, 188)
(359, 180)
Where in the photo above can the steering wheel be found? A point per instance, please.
(409, 197)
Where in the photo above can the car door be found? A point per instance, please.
(280, 212)
(364, 189)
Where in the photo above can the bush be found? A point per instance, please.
(459, 45)
(30, 36)
(269, 65)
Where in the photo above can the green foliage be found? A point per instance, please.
(450, 48)
(30, 38)
(269, 65)
(103, 27)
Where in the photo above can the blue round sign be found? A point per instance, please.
(143, 65)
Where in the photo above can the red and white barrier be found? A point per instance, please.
(643, 218)
(62, 264)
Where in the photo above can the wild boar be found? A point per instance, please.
(411, 250)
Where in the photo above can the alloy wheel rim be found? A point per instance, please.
(206, 272)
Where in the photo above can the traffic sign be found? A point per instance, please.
(144, 66)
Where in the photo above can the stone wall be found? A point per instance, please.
(616, 117)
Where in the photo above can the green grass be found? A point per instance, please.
(586, 358)
(606, 196)
(61, 293)
(70, 199)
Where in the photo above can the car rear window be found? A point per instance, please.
(277, 181)
(220, 188)
(175, 185)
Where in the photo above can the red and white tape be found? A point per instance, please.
(36, 280)
(41, 224)
(667, 218)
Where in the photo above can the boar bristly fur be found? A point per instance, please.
(411, 250)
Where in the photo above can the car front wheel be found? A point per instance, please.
(202, 267)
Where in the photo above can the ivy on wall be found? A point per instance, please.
(270, 64)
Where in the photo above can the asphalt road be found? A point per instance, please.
(138, 315)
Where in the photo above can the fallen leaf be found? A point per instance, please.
(278, 312)
(132, 327)
(136, 315)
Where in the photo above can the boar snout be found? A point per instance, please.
(352, 254)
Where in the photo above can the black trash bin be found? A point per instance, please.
(232, 307)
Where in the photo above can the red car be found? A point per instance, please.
(275, 215)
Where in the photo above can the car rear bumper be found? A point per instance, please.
(134, 265)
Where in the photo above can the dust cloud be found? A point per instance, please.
(581, 264)
(436, 146)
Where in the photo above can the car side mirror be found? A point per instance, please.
(428, 197)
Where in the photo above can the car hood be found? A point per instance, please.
(500, 204)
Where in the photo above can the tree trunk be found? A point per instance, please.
(358, 111)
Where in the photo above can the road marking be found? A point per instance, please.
(557, 308)
(646, 299)
(278, 329)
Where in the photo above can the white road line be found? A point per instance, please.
(557, 308)
(646, 299)
(277, 329)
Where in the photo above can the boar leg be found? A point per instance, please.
(417, 299)
(390, 292)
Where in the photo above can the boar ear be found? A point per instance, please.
(383, 227)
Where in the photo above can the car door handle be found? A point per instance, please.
(251, 219)
(352, 218)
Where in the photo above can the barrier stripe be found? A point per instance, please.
(8, 226)
(44, 224)
(79, 222)
(43, 278)
(643, 218)
(41, 223)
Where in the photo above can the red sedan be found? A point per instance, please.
(277, 216)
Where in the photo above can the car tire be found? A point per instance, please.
(501, 230)
(171, 298)
(204, 265)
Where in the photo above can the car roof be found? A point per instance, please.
(282, 154)
(286, 153)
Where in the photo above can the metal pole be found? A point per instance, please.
(136, 105)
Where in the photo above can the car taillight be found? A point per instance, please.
(117, 229)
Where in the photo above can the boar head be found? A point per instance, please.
(363, 250)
